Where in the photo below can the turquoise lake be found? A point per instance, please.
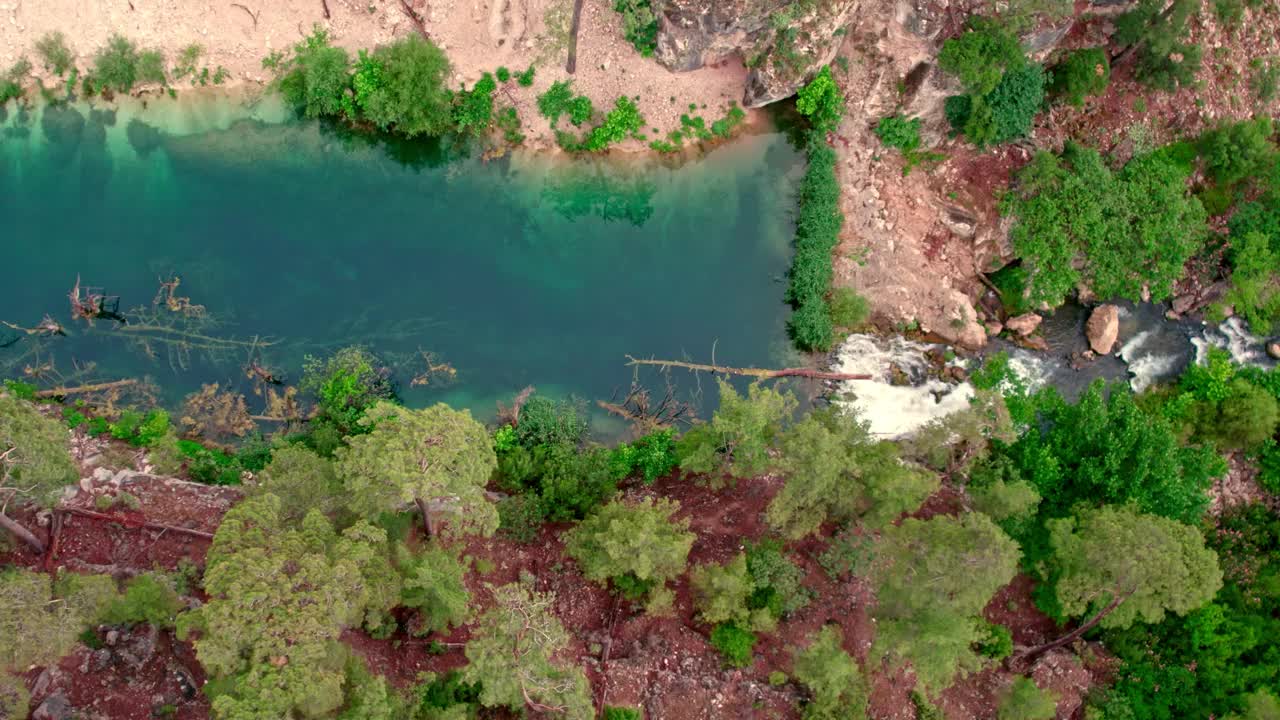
(524, 270)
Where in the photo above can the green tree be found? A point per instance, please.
(897, 131)
(980, 56)
(345, 385)
(1254, 294)
(1157, 33)
(115, 67)
(1119, 566)
(1081, 73)
(38, 625)
(1234, 152)
(413, 98)
(1259, 705)
(434, 583)
(278, 599)
(722, 593)
(53, 51)
(836, 472)
(303, 481)
(821, 101)
(837, 689)
(35, 462)
(437, 458)
(737, 440)
(512, 656)
(473, 109)
(636, 546)
(964, 561)
(318, 76)
(1023, 700)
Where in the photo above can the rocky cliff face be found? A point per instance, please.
(783, 42)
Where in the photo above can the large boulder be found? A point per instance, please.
(1102, 328)
(784, 49)
(1024, 324)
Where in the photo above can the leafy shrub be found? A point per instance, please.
(721, 594)
(1079, 74)
(151, 68)
(1072, 211)
(1265, 79)
(1005, 113)
(1023, 700)
(1164, 60)
(623, 121)
(37, 463)
(525, 79)
(520, 517)
(443, 692)
(1229, 12)
(837, 689)
(821, 101)
(303, 481)
(412, 98)
(473, 109)
(778, 582)
(54, 53)
(503, 74)
(613, 712)
(544, 421)
(724, 127)
(981, 55)
(346, 384)
(559, 99)
(639, 25)
(652, 455)
(318, 76)
(639, 540)
(434, 585)
(734, 643)
(115, 67)
(998, 643)
(148, 598)
(848, 309)
(1234, 152)
(365, 81)
(896, 131)
(817, 233)
(741, 432)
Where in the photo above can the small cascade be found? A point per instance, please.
(905, 392)
(1233, 336)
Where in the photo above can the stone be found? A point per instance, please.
(1102, 328)
(994, 328)
(1024, 324)
(1273, 349)
(54, 707)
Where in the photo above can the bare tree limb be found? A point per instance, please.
(21, 533)
(252, 14)
(148, 525)
(416, 18)
(82, 389)
(761, 373)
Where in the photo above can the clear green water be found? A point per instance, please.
(519, 271)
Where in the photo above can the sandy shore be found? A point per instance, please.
(478, 36)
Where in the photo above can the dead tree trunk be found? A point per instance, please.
(427, 521)
(1022, 658)
(21, 533)
(761, 373)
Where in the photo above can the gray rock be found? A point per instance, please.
(54, 707)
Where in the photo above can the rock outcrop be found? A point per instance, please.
(1102, 328)
(784, 49)
(1023, 324)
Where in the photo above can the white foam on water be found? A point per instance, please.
(1146, 368)
(1232, 336)
(1033, 369)
(896, 410)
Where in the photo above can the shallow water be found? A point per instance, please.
(520, 271)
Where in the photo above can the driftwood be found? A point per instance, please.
(21, 533)
(761, 373)
(416, 18)
(148, 525)
(325, 4)
(571, 64)
(81, 389)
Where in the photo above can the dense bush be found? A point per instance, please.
(115, 67)
(1076, 220)
(412, 97)
(1023, 700)
(622, 122)
(473, 109)
(817, 234)
(1254, 294)
(651, 456)
(303, 481)
(36, 464)
(434, 585)
(11, 80)
(147, 598)
(566, 482)
(742, 430)
(981, 55)
(633, 546)
(1079, 74)
(1234, 152)
(1003, 114)
(318, 76)
(1165, 61)
(849, 310)
(821, 101)
(54, 53)
(639, 24)
(543, 421)
(896, 131)
(345, 385)
(837, 689)
(734, 643)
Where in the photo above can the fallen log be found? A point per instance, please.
(148, 525)
(81, 389)
(761, 373)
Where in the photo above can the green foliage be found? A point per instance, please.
(612, 712)
(1164, 60)
(724, 127)
(54, 52)
(15, 701)
(639, 540)
(1023, 700)
(345, 385)
(737, 440)
(148, 598)
(896, 131)
(821, 102)
(1079, 74)
(817, 234)
(151, 68)
(11, 80)
(1107, 449)
(448, 692)
(525, 79)
(278, 599)
(623, 121)
(1254, 294)
(369, 697)
(639, 25)
(1234, 152)
(721, 593)
(38, 627)
(434, 584)
(512, 656)
(37, 461)
(366, 80)
(303, 481)
(115, 67)
(734, 643)
(433, 455)
(1140, 566)
(997, 642)
(981, 55)
(836, 472)
(837, 689)
(520, 517)
(1229, 12)
(652, 456)
(848, 309)
(543, 421)
(473, 109)
(1005, 113)
(967, 559)
(412, 98)
(1128, 229)
(141, 430)
(318, 77)
(777, 581)
(1011, 501)
(568, 483)
(1265, 78)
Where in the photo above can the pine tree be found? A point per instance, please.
(35, 462)
(837, 689)
(738, 438)
(635, 546)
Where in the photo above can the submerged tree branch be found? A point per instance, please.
(761, 373)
